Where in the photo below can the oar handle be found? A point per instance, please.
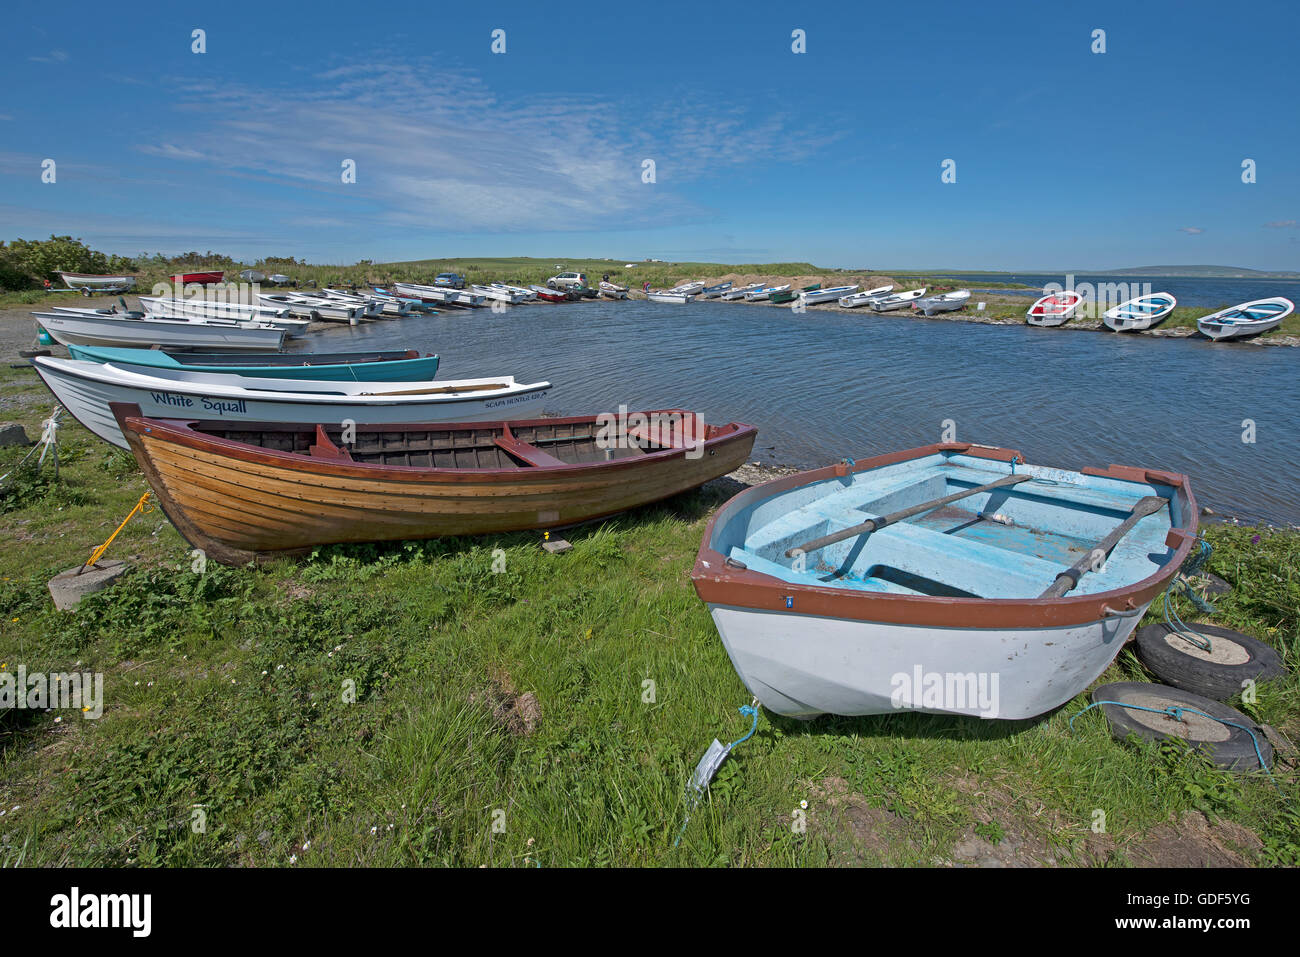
(1068, 579)
(874, 524)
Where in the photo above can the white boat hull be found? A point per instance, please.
(86, 389)
(818, 296)
(82, 330)
(803, 666)
(673, 297)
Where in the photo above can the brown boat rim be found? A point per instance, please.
(183, 431)
(719, 583)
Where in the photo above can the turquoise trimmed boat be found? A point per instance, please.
(408, 366)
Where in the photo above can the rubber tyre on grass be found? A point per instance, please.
(1228, 747)
(1233, 658)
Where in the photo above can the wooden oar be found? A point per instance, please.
(445, 389)
(873, 524)
(1070, 577)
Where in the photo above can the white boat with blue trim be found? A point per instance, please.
(954, 579)
(1142, 312)
(86, 388)
(1247, 319)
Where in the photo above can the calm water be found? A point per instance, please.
(1188, 291)
(822, 386)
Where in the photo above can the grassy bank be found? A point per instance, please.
(517, 698)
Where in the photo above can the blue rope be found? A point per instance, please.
(1194, 564)
(752, 712)
(693, 795)
(1177, 713)
(1014, 460)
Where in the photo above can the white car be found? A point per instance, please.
(566, 279)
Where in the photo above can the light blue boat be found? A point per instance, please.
(953, 579)
(407, 366)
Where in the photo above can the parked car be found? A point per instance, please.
(452, 280)
(566, 279)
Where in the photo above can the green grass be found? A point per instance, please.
(225, 693)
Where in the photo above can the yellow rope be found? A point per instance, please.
(99, 552)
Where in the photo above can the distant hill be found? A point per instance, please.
(1198, 272)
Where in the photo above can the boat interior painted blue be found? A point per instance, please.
(1008, 543)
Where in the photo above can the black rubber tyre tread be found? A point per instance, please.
(1209, 678)
(1237, 753)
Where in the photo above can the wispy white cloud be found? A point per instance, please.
(170, 151)
(1191, 230)
(440, 150)
(1281, 224)
(54, 56)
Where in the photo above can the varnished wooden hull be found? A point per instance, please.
(241, 502)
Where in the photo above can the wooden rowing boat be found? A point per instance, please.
(248, 491)
(831, 589)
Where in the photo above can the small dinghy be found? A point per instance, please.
(764, 292)
(898, 300)
(952, 579)
(816, 296)
(945, 302)
(548, 294)
(611, 290)
(739, 292)
(1144, 312)
(1054, 309)
(670, 295)
(865, 298)
(243, 491)
(715, 291)
(1247, 319)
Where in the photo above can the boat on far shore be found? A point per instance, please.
(90, 283)
(1246, 319)
(898, 300)
(865, 298)
(1054, 309)
(1143, 312)
(210, 278)
(944, 302)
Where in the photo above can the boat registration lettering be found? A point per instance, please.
(513, 400)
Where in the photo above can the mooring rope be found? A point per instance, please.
(709, 764)
(1195, 562)
(49, 438)
(1176, 712)
(99, 552)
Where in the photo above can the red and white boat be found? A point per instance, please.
(1054, 309)
(550, 295)
(198, 278)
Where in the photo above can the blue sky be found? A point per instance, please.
(1064, 158)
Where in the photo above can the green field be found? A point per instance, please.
(502, 717)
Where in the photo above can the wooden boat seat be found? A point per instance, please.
(972, 566)
(528, 453)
